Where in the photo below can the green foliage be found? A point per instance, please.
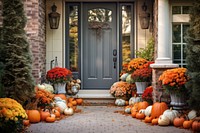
(193, 57)
(147, 52)
(1, 75)
(11, 126)
(17, 79)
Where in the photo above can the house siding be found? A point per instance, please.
(35, 29)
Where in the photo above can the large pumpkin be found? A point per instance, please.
(33, 116)
(143, 105)
(158, 109)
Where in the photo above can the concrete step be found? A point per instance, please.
(96, 97)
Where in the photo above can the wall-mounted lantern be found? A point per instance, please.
(144, 17)
(54, 17)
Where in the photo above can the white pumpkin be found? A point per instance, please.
(134, 100)
(171, 114)
(124, 76)
(48, 87)
(120, 102)
(192, 114)
(163, 120)
(60, 103)
(142, 111)
(41, 86)
(148, 111)
(129, 79)
(127, 110)
(68, 111)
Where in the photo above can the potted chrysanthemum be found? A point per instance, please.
(59, 76)
(173, 80)
(142, 77)
(12, 115)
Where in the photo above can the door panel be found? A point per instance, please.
(99, 41)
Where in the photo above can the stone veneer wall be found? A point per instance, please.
(35, 28)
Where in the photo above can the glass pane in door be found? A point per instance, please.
(73, 39)
(126, 33)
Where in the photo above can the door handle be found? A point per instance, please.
(115, 52)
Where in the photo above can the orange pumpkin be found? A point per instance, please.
(187, 124)
(196, 126)
(44, 114)
(133, 114)
(148, 119)
(26, 122)
(140, 115)
(154, 121)
(70, 105)
(74, 103)
(50, 119)
(143, 105)
(56, 113)
(158, 109)
(178, 121)
(70, 99)
(79, 101)
(33, 116)
(62, 96)
(57, 108)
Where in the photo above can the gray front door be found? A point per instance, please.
(99, 57)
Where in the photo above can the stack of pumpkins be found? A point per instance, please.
(62, 106)
(159, 114)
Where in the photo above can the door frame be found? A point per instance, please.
(119, 29)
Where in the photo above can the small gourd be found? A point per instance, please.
(68, 111)
(148, 111)
(50, 119)
(134, 100)
(148, 119)
(129, 79)
(120, 102)
(163, 120)
(187, 124)
(192, 114)
(124, 76)
(140, 115)
(178, 121)
(127, 109)
(142, 111)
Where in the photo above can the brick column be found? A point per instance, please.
(164, 59)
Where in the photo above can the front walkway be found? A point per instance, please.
(101, 119)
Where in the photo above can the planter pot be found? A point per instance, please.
(60, 88)
(177, 100)
(141, 86)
